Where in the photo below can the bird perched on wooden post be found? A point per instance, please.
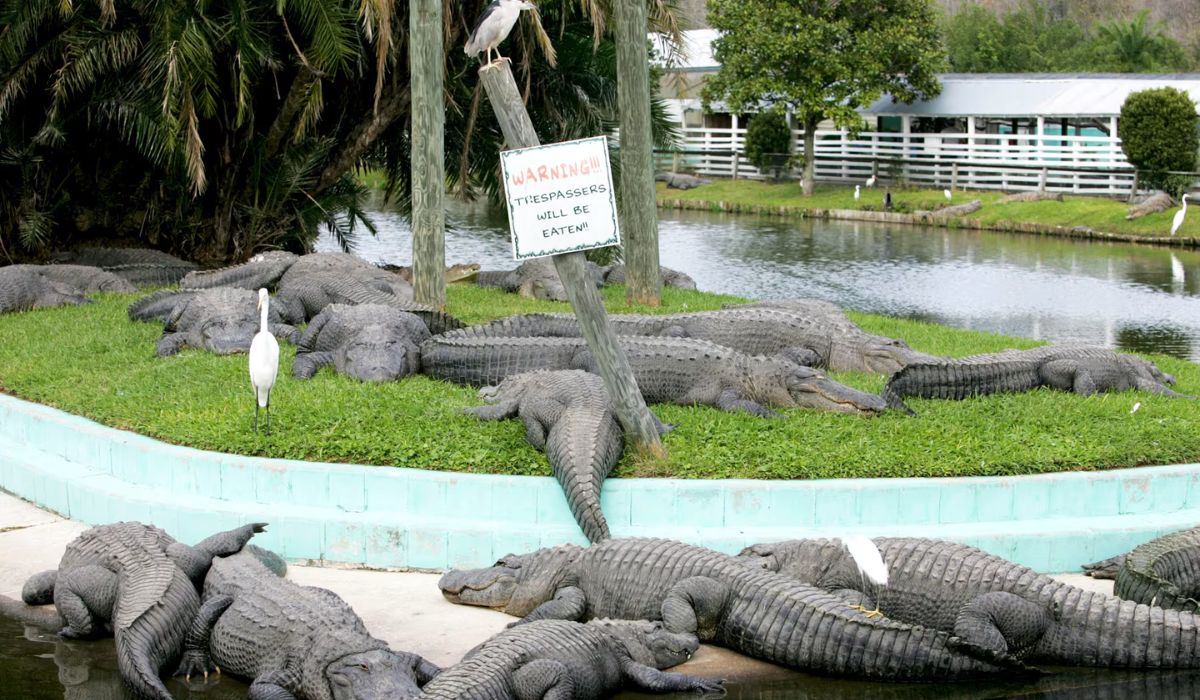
(493, 26)
(264, 362)
(1179, 216)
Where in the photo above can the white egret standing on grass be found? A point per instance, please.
(493, 26)
(264, 362)
(1178, 221)
(857, 193)
(870, 565)
(948, 195)
(871, 181)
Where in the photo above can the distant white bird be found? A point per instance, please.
(871, 181)
(857, 193)
(948, 195)
(870, 565)
(1178, 220)
(264, 362)
(493, 26)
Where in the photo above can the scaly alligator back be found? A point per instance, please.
(1163, 572)
(959, 380)
(463, 358)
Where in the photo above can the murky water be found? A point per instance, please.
(35, 665)
(1135, 297)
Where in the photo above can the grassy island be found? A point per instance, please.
(92, 361)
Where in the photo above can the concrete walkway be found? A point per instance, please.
(406, 609)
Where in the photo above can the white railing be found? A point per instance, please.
(1075, 164)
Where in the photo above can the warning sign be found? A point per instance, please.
(560, 197)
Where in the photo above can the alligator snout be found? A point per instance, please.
(820, 392)
(492, 587)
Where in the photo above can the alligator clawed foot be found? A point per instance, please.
(869, 613)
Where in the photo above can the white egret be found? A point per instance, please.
(870, 563)
(857, 193)
(264, 362)
(1178, 220)
(871, 181)
(948, 195)
(493, 25)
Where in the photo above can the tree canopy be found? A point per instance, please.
(1159, 134)
(823, 59)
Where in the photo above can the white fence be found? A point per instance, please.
(1075, 164)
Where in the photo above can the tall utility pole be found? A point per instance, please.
(615, 370)
(425, 60)
(638, 206)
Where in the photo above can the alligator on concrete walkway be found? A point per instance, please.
(222, 321)
(1082, 369)
(370, 342)
(567, 413)
(142, 267)
(995, 608)
(1162, 572)
(564, 659)
(22, 289)
(293, 641)
(668, 370)
(140, 581)
(720, 599)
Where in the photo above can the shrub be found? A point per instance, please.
(768, 136)
(1158, 134)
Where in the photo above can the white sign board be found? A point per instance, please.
(560, 197)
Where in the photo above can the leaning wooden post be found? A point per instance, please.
(428, 160)
(628, 403)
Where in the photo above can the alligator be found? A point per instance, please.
(370, 342)
(668, 370)
(83, 278)
(680, 181)
(306, 297)
(757, 331)
(1153, 204)
(1082, 369)
(1161, 572)
(221, 321)
(458, 272)
(536, 278)
(995, 608)
(567, 414)
(565, 659)
(261, 270)
(141, 581)
(719, 598)
(140, 266)
(615, 274)
(292, 641)
(22, 289)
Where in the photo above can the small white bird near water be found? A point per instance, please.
(493, 26)
(264, 362)
(948, 195)
(871, 181)
(870, 563)
(1178, 221)
(857, 193)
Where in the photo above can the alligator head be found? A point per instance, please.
(516, 584)
(877, 354)
(461, 271)
(371, 675)
(377, 353)
(650, 643)
(809, 388)
(228, 334)
(824, 563)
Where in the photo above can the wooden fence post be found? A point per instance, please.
(954, 177)
(615, 370)
(428, 159)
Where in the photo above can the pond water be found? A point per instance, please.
(35, 665)
(1134, 297)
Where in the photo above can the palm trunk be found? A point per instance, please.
(807, 180)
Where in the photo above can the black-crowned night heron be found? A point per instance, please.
(493, 26)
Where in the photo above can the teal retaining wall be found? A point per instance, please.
(413, 518)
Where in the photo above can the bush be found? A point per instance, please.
(1159, 133)
(768, 136)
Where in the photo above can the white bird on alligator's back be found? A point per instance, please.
(871, 181)
(870, 563)
(857, 193)
(264, 362)
(493, 26)
(1178, 221)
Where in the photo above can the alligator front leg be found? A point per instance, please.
(569, 603)
(1000, 626)
(731, 400)
(543, 679)
(806, 357)
(170, 344)
(498, 411)
(284, 331)
(694, 605)
(657, 681)
(195, 646)
(272, 686)
(85, 597)
(305, 365)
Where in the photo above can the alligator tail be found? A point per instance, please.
(156, 306)
(155, 637)
(1102, 630)
(1151, 570)
(961, 380)
(583, 447)
(495, 278)
(39, 588)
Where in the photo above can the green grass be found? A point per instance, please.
(1100, 214)
(93, 362)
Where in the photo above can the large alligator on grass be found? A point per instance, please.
(293, 641)
(370, 342)
(83, 278)
(720, 599)
(222, 321)
(139, 580)
(615, 274)
(1163, 572)
(1082, 369)
(995, 608)
(564, 659)
(668, 370)
(567, 414)
(142, 267)
(538, 278)
(22, 289)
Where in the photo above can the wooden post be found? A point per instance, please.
(428, 160)
(735, 164)
(638, 207)
(622, 388)
(954, 177)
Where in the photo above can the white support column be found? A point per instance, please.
(1039, 153)
(906, 142)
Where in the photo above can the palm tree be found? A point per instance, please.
(1136, 46)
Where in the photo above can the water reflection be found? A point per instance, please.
(1136, 297)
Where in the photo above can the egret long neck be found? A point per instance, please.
(263, 315)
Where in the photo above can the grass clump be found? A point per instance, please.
(92, 361)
